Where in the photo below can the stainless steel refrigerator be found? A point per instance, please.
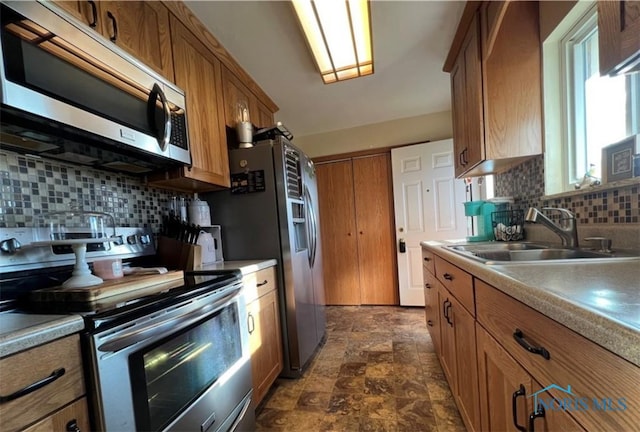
(270, 212)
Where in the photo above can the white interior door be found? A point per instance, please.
(428, 206)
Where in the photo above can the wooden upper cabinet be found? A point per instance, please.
(619, 36)
(496, 86)
(199, 73)
(86, 11)
(142, 29)
(236, 92)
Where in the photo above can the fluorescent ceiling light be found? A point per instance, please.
(339, 35)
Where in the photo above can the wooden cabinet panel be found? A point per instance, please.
(142, 29)
(429, 261)
(458, 115)
(500, 377)
(619, 36)
(457, 281)
(357, 228)
(87, 12)
(259, 283)
(374, 217)
(462, 329)
(338, 230)
(23, 369)
(264, 116)
(265, 342)
(235, 93)
(512, 85)
(447, 338)
(556, 420)
(474, 121)
(65, 419)
(198, 72)
(431, 308)
(592, 371)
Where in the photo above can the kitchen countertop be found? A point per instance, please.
(19, 331)
(246, 267)
(599, 300)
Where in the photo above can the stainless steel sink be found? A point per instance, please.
(505, 253)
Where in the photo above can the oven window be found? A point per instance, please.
(170, 375)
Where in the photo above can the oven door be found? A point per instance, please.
(183, 368)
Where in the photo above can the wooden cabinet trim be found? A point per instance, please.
(468, 14)
(188, 19)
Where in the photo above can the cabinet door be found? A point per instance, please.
(549, 420)
(473, 111)
(86, 11)
(447, 338)
(264, 116)
(265, 343)
(142, 29)
(465, 390)
(376, 230)
(235, 93)
(619, 36)
(74, 417)
(504, 386)
(198, 73)
(338, 231)
(458, 113)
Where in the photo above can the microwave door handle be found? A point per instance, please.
(163, 136)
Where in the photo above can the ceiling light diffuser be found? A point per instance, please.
(339, 35)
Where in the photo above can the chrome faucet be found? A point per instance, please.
(566, 229)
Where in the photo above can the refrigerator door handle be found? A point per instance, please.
(313, 229)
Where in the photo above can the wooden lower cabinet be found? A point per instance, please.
(431, 309)
(459, 357)
(72, 418)
(43, 405)
(507, 393)
(355, 201)
(265, 339)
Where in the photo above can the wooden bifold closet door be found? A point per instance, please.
(357, 228)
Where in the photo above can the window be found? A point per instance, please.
(588, 112)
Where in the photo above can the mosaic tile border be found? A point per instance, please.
(526, 184)
(30, 186)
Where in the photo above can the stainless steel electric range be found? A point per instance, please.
(176, 359)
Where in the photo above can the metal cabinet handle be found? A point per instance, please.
(427, 285)
(519, 337)
(514, 407)
(34, 386)
(448, 276)
(430, 323)
(94, 14)
(264, 282)
(465, 161)
(115, 27)
(539, 412)
(449, 320)
(72, 426)
(427, 259)
(446, 307)
(251, 323)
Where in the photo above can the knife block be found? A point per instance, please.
(178, 255)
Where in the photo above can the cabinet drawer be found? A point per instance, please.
(23, 369)
(258, 283)
(428, 261)
(457, 281)
(608, 385)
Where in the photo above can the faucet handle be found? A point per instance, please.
(605, 243)
(562, 210)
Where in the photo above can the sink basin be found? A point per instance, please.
(506, 252)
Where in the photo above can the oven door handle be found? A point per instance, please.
(175, 323)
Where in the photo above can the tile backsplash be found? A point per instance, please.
(613, 206)
(31, 186)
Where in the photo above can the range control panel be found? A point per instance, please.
(17, 252)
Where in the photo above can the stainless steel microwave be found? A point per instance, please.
(70, 94)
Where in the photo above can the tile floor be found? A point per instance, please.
(377, 371)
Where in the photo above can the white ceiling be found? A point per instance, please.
(410, 42)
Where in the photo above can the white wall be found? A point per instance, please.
(428, 127)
